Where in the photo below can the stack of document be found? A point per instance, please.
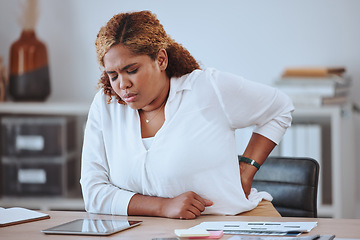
(259, 228)
(311, 237)
(315, 86)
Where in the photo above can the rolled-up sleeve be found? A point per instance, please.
(248, 103)
(100, 195)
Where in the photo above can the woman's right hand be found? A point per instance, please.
(188, 205)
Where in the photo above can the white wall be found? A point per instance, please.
(255, 39)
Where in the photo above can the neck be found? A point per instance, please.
(150, 115)
(159, 101)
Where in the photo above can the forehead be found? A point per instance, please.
(119, 56)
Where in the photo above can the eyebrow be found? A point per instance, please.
(123, 69)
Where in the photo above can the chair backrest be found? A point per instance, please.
(293, 183)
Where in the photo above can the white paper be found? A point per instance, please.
(267, 238)
(17, 214)
(258, 228)
(346, 238)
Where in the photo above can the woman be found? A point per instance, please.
(159, 139)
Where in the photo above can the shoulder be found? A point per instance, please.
(101, 102)
(213, 75)
(206, 79)
(198, 76)
(100, 96)
(219, 80)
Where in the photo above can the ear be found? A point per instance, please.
(162, 59)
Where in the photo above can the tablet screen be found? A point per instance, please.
(92, 227)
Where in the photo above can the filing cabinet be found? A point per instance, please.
(38, 155)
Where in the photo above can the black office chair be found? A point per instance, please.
(293, 183)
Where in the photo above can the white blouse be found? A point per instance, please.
(147, 142)
(193, 151)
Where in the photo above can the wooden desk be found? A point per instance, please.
(153, 227)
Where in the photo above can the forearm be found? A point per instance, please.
(258, 149)
(188, 205)
(145, 206)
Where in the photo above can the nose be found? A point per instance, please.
(124, 82)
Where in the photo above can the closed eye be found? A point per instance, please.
(112, 75)
(133, 71)
(114, 78)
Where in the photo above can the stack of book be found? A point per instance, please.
(315, 86)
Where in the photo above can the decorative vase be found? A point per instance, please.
(29, 69)
(3, 81)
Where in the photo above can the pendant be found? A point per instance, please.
(146, 120)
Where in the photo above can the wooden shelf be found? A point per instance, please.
(340, 155)
(44, 203)
(48, 108)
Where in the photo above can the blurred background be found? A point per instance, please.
(254, 39)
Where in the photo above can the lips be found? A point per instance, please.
(129, 97)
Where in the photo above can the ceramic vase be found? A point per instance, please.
(29, 69)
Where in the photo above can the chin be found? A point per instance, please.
(134, 106)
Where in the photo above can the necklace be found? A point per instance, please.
(158, 111)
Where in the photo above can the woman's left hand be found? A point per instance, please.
(247, 173)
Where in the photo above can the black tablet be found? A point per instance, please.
(92, 227)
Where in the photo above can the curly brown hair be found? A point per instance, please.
(142, 33)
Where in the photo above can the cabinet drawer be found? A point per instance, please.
(39, 177)
(26, 136)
